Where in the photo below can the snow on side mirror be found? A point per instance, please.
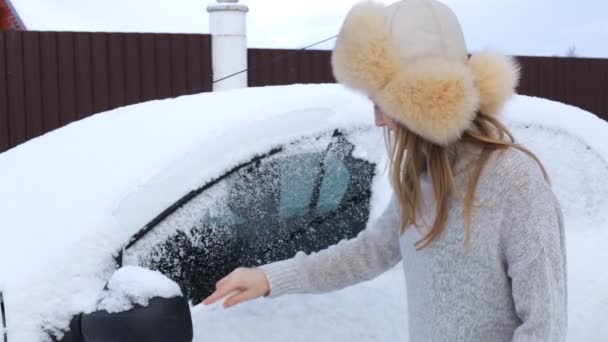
(136, 305)
(139, 305)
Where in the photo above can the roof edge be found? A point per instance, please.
(20, 23)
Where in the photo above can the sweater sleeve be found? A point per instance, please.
(536, 261)
(373, 251)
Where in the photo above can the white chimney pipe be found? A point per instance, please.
(228, 27)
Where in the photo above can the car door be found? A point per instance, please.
(304, 196)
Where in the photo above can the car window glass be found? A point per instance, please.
(298, 176)
(302, 199)
(334, 185)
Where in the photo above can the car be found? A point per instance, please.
(273, 183)
(192, 187)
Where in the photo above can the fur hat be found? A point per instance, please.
(411, 59)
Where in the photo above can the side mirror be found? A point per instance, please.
(136, 305)
(163, 320)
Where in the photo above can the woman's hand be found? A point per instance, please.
(242, 284)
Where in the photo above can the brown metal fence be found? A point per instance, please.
(49, 79)
(580, 82)
(281, 67)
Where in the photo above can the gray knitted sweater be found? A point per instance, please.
(510, 287)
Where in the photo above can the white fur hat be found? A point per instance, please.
(411, 59)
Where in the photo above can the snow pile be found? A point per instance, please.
(132, 286)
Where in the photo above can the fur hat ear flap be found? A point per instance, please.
(363, 57)
(496, 78)
(434, 98)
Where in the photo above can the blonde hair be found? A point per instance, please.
(410, 155)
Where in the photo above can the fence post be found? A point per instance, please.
(227, 20)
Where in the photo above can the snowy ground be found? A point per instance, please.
(60, 191)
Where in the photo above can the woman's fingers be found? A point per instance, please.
(239, 298)
(212, 298)
(241, 285)
(222, 281)
(223, 287)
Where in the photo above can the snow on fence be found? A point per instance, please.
(49, 79)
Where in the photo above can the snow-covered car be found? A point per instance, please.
(190, 188)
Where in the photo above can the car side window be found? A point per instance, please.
(301, 199)
(334, 185)
(298, 175)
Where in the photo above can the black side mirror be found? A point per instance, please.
(162, 320)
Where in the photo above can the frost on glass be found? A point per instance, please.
(306, 198)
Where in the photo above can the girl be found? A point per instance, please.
(473, 218)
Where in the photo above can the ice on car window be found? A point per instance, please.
(304, 199)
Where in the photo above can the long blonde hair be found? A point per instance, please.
(410, 155)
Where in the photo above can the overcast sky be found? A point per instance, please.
(520, 27)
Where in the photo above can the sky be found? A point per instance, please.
(519, 27)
